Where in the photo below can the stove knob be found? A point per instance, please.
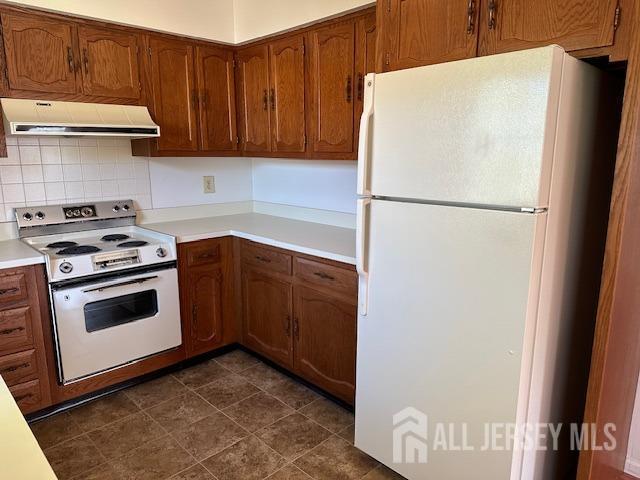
(126, 207)
(161, 252)
(27, 216)
(66, 267)
(116, 208)
(87, 211)
(40, 215)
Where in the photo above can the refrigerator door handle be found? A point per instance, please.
(363, 141)
(364, 205)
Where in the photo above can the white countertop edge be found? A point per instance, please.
(21, 262)
(267, 241)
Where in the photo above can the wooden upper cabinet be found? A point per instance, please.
(573, 24)
(286, 97)
(174, 96)
(40, 54)
(422, 32)
(109, 62)
(253, 99)
(331, 93)
(267, 309)
(216, 92)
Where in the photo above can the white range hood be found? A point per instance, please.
(40, 117)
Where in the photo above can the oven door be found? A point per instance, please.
(105, 324)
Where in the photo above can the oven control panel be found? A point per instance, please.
(82, 211)
(105, 261)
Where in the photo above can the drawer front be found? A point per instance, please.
(27, 395)
(13, 288)
(203, 253)
(339, 279)
(267, 259)
(15, 329)
(19, 367)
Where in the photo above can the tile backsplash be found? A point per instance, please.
(53, 170)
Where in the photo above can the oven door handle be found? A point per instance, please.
(121, 284)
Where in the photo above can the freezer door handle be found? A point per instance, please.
(364, 140)
(362, 266)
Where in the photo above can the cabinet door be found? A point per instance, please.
(423, 32)
(204, 309)
(109, 62)
(267, 305)
(253, 68)
(331, 77)
(519, 24)
(40, 54)
(216, 91)
(325, 348)
(286, 60)
(174, 99)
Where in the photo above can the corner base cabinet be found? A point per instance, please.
(206, 294)
(300, 312)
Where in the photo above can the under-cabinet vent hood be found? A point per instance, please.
(39, 117)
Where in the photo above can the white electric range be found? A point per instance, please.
(113, 285)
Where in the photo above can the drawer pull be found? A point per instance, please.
(206, 255)
(8, 291)
(7, 331)
(19, 398)
(14, 368)
(263, 259)
(324, 276)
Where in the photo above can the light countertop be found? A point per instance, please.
(15, 253)
(317, 239)
(20, 455)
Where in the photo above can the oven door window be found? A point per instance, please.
(120, 310)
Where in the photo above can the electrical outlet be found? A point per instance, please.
(209, 184)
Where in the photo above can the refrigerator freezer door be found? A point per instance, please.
(478, 131)
(452, 306)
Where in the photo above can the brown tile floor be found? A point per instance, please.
(230, 418)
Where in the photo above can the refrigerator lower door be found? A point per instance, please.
(452, 307)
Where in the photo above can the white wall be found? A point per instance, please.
(633, 455)
(177, 182)
(258, 18)
(226, 21)
(325, 185)
(209, 19)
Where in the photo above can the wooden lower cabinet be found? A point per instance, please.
(206, 294)
(325, 341)
(23, 363)
(302, 317)
(267, 314)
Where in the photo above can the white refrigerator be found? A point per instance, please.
(472, 181)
